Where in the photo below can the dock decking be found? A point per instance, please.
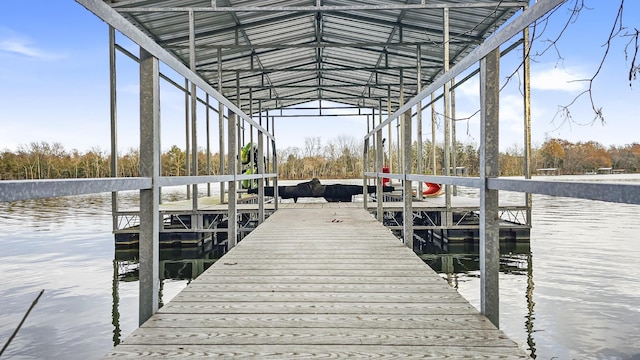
(319, 282)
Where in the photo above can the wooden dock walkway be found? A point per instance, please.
(319, 281)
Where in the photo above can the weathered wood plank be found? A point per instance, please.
(254, 307)
(321, 336)
(315, 352)
(212, 277)
(397, 298)
(313, 321)
(322, 287)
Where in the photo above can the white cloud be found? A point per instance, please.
(554, 78)
(12, 43)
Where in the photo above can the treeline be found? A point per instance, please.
(41, 160)
(338, 158)
(578, 158)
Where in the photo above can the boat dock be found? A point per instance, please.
(432, 219)
(336, 283)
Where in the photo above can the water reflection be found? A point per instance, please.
(456, 262)
(177, 264)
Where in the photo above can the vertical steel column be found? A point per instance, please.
(526, 48)
(420, 160)
(407, 162)
(261, 180)
(149, 198)
(239, 129)
(252, 155)
(454, 148)
(194, 111)
(365, 167)
(275, 170)
(187, 135)
(434, 164)
(379, 165)
(489, 161)
(221, 127)
(268, 164)
(208, 119)
(390, 129)
(232, 223)
(261, 167)
(113, 112)
(448, 219)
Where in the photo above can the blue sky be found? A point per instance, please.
(54, 85)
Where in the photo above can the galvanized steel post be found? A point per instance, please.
(187, 135)
(434, 164)
(489, 161)
(194, 114)
(448, 218)
(232, 222)
(379, 165)
(420, 159)
(407, 162)
(221, 126)
(149, 198)
(526, 81)
(261, 171)
(113, 114)
(365, 168)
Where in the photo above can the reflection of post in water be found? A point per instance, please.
(176, 263)
(446, 267)
(160, 287)
(115, 308)
(530, 305)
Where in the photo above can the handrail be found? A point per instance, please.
(13, 190)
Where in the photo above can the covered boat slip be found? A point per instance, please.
(336, 283)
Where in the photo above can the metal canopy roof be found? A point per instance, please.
(283, 53)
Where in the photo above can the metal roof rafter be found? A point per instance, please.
(314, 8)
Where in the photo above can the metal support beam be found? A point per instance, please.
(454, 148)
(407, 161)
(194, 110)
(489, 161)
(379, 165)
(448, 218)
(261, 215)
(221, 126)
(420, 160)
(434, 165)
(208, 119)
(113, 113)
(187, 135)
(149, 198)
(365, 168)
(232, 225)
(318, 8)
(526, 69)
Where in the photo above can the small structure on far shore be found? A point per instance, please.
(547, 171)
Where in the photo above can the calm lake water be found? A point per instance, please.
(576, 295)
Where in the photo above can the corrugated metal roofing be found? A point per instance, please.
(284, 53)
